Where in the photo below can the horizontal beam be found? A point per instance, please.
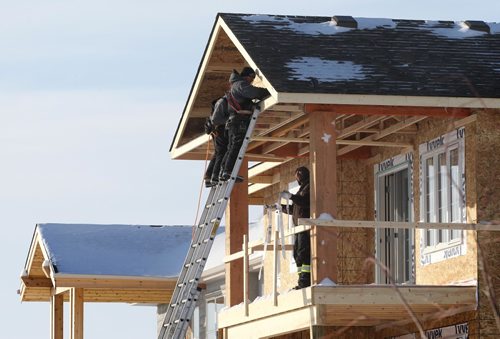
(261, 179)
(256, 247)
(407, 225)
(36, 282)
(390, 110)
(63, 280)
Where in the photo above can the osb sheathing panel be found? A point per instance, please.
(488, 209)
(437, 321)
(462, 267)
(355, 245)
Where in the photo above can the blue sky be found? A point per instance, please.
(90, 96)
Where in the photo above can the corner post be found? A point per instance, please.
(56, 316)
(236, 227)
(76, 315)
(323, 168)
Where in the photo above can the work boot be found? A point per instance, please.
(304, 280)
(208, 183)
(226, 176)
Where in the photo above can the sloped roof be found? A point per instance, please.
(123, 250)
(113, 263)
(356, 66)
(310, 54)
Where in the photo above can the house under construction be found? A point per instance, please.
(398, 122)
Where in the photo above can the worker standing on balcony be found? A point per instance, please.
(300, 208)
(240, 101)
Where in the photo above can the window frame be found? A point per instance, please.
(437, 192)
(406, 270)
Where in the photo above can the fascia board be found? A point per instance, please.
(387, 100)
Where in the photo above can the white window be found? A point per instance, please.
(442, 180)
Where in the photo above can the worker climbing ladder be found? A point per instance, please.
(186, 292)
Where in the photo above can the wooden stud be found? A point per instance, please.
(76, 314)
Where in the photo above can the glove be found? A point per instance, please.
(285, 195)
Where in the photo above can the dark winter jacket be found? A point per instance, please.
(243, 92)
(301, 203)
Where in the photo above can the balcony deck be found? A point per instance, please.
(347, 305)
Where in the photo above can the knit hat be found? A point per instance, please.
(247, 71)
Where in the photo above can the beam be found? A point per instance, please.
(405, 225)
(36, 282)
(261, 179)
(82, 281)
(365, 123)
(392, 129)
(76, 314)
(279, 139)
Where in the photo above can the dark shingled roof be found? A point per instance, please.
(299, 54)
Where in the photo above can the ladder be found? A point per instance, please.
(186, 292)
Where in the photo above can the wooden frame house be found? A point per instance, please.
(398, 122)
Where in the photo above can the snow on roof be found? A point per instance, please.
(305, 68)
(326, 27)
(122, 250)
(457, 30)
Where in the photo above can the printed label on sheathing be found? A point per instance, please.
(460, 331)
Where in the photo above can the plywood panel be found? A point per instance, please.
(462, 267)
(488, 209)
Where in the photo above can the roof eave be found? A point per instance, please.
(113, 281)
(388, 100)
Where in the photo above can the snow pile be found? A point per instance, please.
(327, 282)
(307, 68)
(459, 30)
(326, 216)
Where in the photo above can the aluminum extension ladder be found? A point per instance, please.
(183, 301)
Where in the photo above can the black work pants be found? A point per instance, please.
(237, 128)
(302, 256)
(302, 248)
(220, 149)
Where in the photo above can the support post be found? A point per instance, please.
(56, 316)
(275, 267)
(76, 314)
(236, 227)
(245, 273)
(323, 168)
